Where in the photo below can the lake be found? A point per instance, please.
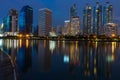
(63, 60)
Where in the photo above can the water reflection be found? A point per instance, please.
(36, 59)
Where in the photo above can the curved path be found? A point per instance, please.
(7, 69)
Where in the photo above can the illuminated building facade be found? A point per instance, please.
(26, 20)
(108, 13)
(110, 29)
(87, 20)
(75, 25)
(10, 22)
(97, 18)
(45, 22)
(74, 21)
(66, 29)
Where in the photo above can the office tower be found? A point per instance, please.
(75, 26)
(26, 20)
(6, 22)
(45, 22)
(74, 21)
(66, 29)
(73, 11)
(107, 13)
(110, 29)
(97, 18)
(11, 22)
(87, 20)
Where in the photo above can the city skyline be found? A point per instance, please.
(60, 9)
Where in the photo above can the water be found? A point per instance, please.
(64, 60)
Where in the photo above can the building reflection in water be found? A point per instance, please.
(52, 45)
(20, 52)
(88, 60)
(44, 55)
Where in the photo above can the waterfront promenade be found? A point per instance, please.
(7, 69)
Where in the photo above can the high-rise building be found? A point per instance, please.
(73, 11)
(107, 13)
(74, 21)
(97, 18)
(11, 22)
(66, 29)
(45, 22)
(87, 20)
(26, 20)
(75, 26)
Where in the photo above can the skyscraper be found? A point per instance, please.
(87, 20)
(66, 29)
(108, 13)
(74, 21)
(45, 22)
(26, 20)
(73, 11)
(97, 18)
(11, 22)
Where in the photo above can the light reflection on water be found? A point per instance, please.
(64, 60)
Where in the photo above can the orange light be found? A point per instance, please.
(27, 43)
(20, 35)
(113, 35)
(94, 36)
(27, 35)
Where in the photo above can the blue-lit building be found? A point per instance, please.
(26, 20)
(97, 18)
(73, 11)
(10, 22)
(6, 22)
(87, 20)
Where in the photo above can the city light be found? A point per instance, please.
(20, 35)
(66, 59)
(52, 45)
(27, 35)
(113, 35)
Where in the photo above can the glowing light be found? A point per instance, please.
(63, 44)
(76, 45)
(113, 47)
(66, 59)
(1, 35)
(27, 43)
(15, 43)
(2, 25)
(0, 42)
(27, 35)
(20, 35)
(44, 43)
(113, 35)
(20, 43)
(53, 34)
(110, 58)
(95, 70)
(52, 46)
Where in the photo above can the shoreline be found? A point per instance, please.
(65, 39)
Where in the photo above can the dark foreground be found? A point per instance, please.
(7, 69)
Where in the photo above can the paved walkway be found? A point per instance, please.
(7, 71)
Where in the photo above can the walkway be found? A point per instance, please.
(7, 71)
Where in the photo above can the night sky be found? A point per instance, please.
(60, 8)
